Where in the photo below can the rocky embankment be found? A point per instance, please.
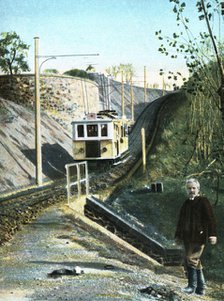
(17, 147)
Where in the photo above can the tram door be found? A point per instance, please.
(93, 149)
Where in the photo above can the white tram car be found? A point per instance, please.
(101, 136)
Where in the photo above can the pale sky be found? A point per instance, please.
(120, 31)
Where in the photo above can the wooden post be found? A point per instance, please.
(68, 183)
(143, 150)
(164, 86)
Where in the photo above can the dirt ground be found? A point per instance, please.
(61, 239)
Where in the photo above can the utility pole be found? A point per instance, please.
(144, 84)
(109, 91)
(164, 86)
(132, 102)
(122, 94)
(37, 116)
(37, 103)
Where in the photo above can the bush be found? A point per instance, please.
(77, 73)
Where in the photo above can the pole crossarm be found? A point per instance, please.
(50, 58)
(67, 55)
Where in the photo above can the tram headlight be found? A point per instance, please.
(104, 149)
(81, 150)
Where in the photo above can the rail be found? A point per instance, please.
(131, 233)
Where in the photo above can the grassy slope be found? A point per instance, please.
(167, 163)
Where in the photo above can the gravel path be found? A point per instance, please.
(60, 240)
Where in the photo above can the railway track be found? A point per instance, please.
(22, 208)
(106, 216)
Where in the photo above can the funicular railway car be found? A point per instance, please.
(101, 136)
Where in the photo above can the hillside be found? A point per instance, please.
(168, 162)
(17, 147)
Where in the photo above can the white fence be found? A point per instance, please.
(77, 179)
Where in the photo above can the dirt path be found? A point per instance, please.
(61, 239)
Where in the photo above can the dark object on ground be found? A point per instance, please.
(161, 292)
(65, 272)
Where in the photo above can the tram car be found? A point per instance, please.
(101, 136)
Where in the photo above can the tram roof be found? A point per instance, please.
(102, 116)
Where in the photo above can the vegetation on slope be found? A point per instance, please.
(173, 159)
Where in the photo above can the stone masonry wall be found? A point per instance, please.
(63, 97)
(66, 98)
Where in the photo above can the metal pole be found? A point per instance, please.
(37, 117)
(109, 91)
(144, 84)
(132, 102)
(85, 108)
(122, 93)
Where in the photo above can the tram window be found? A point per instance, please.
(104, 131)
(92, 130)
(80, 129)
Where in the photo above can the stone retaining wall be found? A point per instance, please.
(63, 97)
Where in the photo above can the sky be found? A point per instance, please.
(120, 31)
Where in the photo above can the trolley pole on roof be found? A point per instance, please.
(37, 116)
